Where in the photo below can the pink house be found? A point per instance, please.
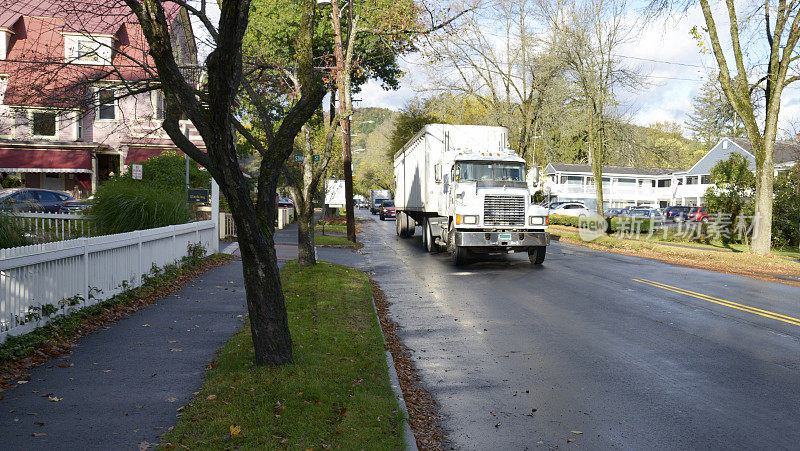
(77, 102)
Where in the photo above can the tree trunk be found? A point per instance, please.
(265, 301)
(305, 235)
(762, 227)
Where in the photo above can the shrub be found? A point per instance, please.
(731, 195)
(11, 235)
(168, 171)
(786, 210)
(123, 205)
(569, 221)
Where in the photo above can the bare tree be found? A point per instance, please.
(773, 71)
(494, 55)
(588, 34)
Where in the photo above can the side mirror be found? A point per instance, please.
(533, 178)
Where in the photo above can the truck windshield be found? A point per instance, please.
(490, 171)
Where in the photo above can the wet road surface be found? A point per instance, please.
(593, 349)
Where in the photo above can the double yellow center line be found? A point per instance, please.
(723, 302)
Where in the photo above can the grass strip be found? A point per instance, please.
(764, 267)
(333, 240)
(20, 353)
(335, 394)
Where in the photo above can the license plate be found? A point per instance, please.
(503, 236)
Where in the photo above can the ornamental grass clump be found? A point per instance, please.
(11, 235)
(127, 205)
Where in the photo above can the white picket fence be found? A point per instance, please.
(36, 278)
(46, 227)
(227, 229)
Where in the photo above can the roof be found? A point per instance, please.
(613, 170)
(785, 151)
(36, 54)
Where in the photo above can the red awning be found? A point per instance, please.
(139, 154)
(41, 160)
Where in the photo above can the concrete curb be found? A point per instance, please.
(408, 436)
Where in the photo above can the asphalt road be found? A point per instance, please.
(605, 345)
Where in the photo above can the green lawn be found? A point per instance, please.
(335, 394)
(332, 240)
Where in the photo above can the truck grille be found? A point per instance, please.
(504, 210)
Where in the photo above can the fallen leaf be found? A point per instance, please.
(38, 434)
(577, 432)
(569, 440)
(210, 397)
(64, 365)
(235, 431)
(171, 399)
(55, 399)
(145, 325)
(172, 341)
(22, 382)
(175, 350)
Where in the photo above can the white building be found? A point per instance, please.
(659, 187)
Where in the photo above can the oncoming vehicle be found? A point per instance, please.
(470, 193)
(387, 210)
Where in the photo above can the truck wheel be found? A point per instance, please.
(536, 256)
(397, 224)
(428, 240)
(457, 253)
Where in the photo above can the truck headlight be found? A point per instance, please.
(466, 219)
(537, 220)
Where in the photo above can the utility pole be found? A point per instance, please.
(345, 105)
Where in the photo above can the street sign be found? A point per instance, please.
(198, 195)
(136, 171)
(298, 158)
(316, 158)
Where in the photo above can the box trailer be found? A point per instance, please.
(470, 193)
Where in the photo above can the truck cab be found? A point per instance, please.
(470, 193)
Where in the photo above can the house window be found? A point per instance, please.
(705, 180)
(571, 180)
(3, 86)
(78, 126)
(664, 183)
(691, 180)
(87, 50)
(158, 106)
(44, 124)
(106, 105)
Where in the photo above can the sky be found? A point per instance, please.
(663, 51)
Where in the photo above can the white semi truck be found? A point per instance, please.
(470, 193)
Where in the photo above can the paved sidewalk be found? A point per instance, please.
(121, 387)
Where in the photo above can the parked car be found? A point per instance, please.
(677, 213)
(76, 206)
(387, 210)
(32, 199)
(699, 214)
(571, 209)
(285, 202)
(651, 213)
(613, 212)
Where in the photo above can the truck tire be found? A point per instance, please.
(428, 240)
(536, 256)
(457, 253)
(397, 223)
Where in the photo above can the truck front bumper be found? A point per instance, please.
(496, 241)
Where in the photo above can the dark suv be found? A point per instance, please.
(677, 213)
(32, 199)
